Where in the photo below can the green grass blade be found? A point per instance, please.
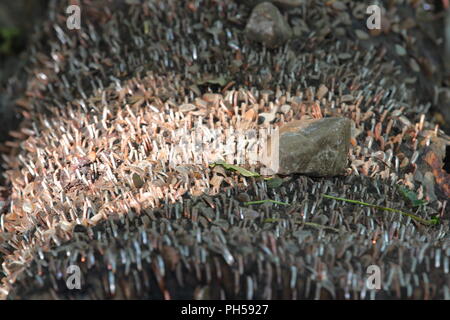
(432, 221)
(265, 201)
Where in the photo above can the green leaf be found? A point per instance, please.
(435, 220)
(274, 182)
(240, 170)
(411, 197)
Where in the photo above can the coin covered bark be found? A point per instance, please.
(121, 165)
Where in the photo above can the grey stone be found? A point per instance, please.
(266, 25)
(316, 147)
